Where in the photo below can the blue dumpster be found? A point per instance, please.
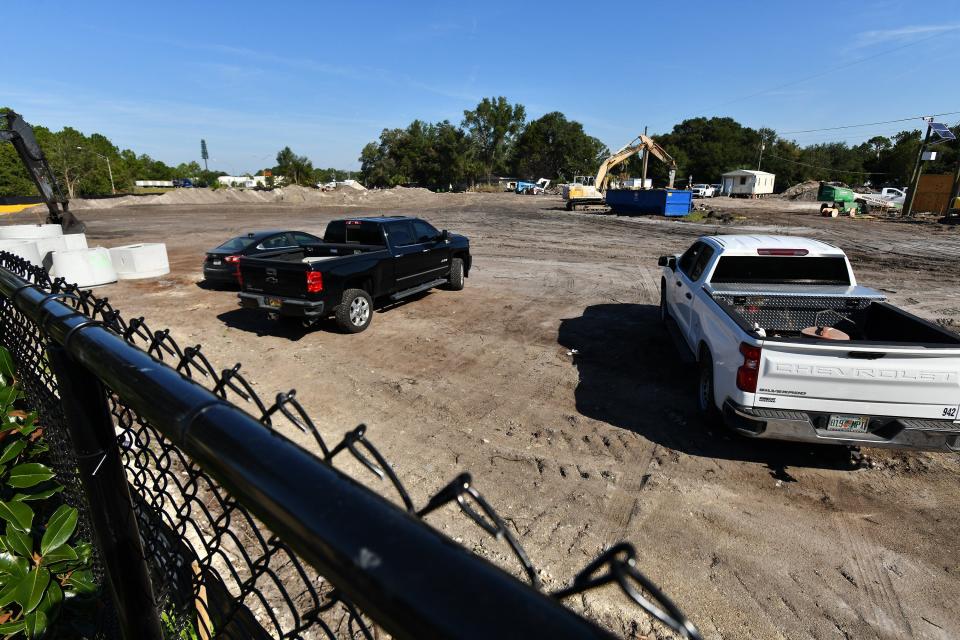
(663, 202)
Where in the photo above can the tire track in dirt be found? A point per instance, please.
(887, 616)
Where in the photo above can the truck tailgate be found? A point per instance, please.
(274, 277)
(882, 381)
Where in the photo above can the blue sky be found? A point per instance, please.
(251, 77)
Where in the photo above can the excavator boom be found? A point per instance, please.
(637, 145)
(17, 131)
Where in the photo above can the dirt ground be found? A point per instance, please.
(552, 381)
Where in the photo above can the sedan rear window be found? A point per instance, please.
(236, 244)
(781, 270)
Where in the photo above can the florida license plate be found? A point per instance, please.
(274, 302)
(848, 424)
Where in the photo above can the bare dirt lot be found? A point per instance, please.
(551, 379)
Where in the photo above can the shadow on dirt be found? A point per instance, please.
(209, 285)
(633, 376)
(258, 323)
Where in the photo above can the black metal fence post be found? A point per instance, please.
(111, 511)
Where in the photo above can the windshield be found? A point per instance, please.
(236, 244)
(781, 270)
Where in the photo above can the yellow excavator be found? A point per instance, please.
(587, 190)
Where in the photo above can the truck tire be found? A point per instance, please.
(355, 311)
(664, 308)
(456, 275)
(705, 395)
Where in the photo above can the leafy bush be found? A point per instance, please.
(45, 574)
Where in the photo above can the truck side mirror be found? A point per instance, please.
(668, 261)
(444, 235)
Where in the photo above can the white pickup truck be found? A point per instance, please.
(703, 191)
(790, 347)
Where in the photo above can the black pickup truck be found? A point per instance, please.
(360, 260)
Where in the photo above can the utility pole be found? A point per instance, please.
(113, 189)
(643, 177)
(760, 159)
(917, 170)
(955, 192)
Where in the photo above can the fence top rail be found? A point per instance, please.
(406, 576)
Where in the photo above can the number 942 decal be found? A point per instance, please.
(950, 412)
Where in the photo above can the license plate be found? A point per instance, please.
(216, 262)
(848, 424)
(274, 302)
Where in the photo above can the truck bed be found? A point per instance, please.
(783, 311)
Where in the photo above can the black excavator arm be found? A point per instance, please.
(16, 130)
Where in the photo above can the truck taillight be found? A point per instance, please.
(314, 282)
(749, 371)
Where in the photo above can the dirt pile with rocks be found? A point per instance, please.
(802, 191)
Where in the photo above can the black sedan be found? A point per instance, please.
(222, 264)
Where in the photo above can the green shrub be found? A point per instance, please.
(45, 575)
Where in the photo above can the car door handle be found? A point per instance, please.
(689, 297)
(425, 251)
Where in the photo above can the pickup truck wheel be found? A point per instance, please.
(456, 275)
(705, 395)
(664, 309)
(355, 311)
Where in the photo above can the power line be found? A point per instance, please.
(831, 169)
(869, 124)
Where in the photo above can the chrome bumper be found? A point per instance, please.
(800, 426)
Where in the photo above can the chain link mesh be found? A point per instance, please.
(217, 571)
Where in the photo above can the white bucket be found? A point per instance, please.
(146, 260)
(26, 249)
(30, 231)
(84, 267)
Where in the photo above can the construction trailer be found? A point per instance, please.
(745, 183)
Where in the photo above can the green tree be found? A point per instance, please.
(294, 168)
(492, 127)
(554, 147)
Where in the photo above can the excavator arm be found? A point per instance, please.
(637, 145)
(17, 131)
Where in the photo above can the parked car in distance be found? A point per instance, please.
(222, 265)
(717, 189)
(360, 261)
(791, 347)
(703, 191)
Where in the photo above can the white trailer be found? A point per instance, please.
(744, 183)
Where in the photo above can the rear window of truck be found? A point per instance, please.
(354, 232)
(781, 270)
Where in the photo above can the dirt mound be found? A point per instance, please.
(802, 191)
(296, 195)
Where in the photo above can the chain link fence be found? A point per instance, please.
(236, 548)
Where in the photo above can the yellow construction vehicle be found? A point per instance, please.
(585, 190)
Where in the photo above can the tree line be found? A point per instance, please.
(496, 139)
(707, 147)
(79, 162)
